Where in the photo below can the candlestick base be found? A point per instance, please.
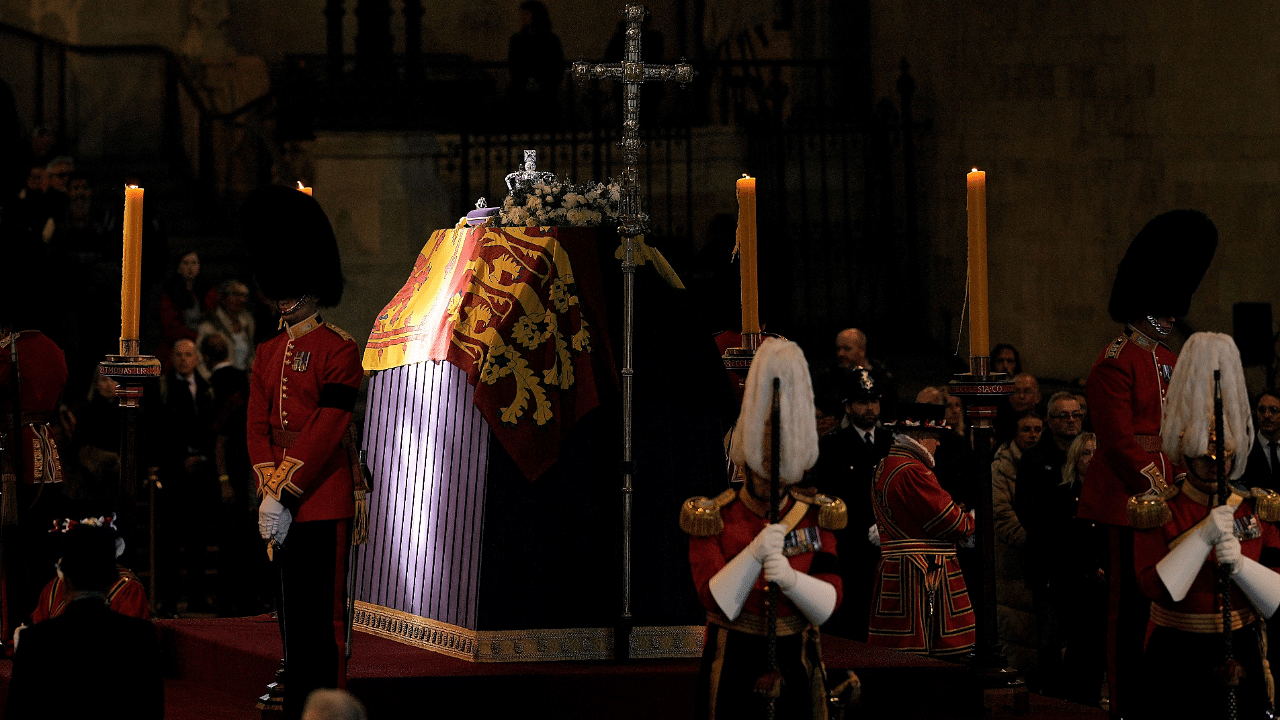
(981, 391)
(129, 371)
(739, 358)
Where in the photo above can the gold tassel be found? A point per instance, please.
(360, 523)
(700, 517)
(833, 513)
(1148, 510)
(1267, 504)
(9, 500)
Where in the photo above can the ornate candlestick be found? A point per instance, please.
(1003, 690)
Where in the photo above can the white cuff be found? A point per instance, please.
(1260, 584)
(733, 583)
(1179, 568)
(815, 598)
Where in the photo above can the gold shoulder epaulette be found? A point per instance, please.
(833, 514)
(700, 516)
(1113, 351)
(1151, 509)
(341, 333)
(1266, 503)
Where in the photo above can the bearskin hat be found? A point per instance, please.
(1163, 266)
(292, 246)
(782, 359)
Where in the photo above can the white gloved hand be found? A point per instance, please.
(274, 520)
(777, 569)
(768, 541)
(1221, 522)
(1228, 552)
(873, 535)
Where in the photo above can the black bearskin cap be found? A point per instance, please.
(1163, 266)
(292, 246)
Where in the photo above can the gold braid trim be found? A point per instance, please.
(1266, 503)
(1150, 509)
(700, 516)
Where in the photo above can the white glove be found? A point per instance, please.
(777, 569)
(1228, 552)
(768, 541)
(815, 598)
(873, 535)
(274, 520)
(1260, 583)
(1221, 522)
(731, 585)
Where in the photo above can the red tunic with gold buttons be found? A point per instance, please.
(304, 387)
(743, 520)
(1126, 404)
(1189, 509)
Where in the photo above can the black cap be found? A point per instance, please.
(292, 246)
(1163, 266)
(920, 416)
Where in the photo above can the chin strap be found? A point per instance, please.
(1260, 584)
(733, 583)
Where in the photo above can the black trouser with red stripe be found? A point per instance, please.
(313, 571)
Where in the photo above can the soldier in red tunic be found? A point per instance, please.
(301, 396)
(1174, 565)
(29, 429)
(1122, 489)
(920, 603)
(734, 551)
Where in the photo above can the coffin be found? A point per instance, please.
(493, 432)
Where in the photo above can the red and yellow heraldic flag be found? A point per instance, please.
(503, 304)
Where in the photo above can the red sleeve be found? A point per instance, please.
(131, 600)
(1110, 391)
(323, 431)
(259, 423)
(1149, 548)
(1270, 546)
(705, 560)
(827, 568)
(921, 496)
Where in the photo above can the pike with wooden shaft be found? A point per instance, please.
(771, 684)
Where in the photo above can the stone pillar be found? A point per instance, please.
(373, 38)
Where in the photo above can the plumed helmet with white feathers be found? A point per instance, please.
(782, 359)
(1188, 413)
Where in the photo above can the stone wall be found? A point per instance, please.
(1089, 117)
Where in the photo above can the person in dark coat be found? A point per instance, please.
(88, 661)
(847, 460)
(1263, 468)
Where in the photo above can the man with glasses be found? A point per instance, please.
(1038, 475)
(1263, 469)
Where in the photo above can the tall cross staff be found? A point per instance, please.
(632, 72)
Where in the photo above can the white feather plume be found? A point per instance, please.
(784, 360)
(1188, 412)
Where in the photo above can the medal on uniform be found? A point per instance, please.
(1247, 528)
(1166, 373)
(301, 360)
(800, 541)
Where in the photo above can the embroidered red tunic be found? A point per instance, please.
(1126, 399)
(919, 603)
(304, 387)
(744, 518)
(1189, 508)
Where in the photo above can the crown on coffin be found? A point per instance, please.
(537, 198)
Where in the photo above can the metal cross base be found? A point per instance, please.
(1002, 689)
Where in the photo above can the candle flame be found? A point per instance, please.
(973, 170)
(132, 187)
(746, 176)
(300, 185)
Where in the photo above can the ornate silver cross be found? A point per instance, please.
(529, 173)
(632, 71)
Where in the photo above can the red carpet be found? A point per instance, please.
(219, 667)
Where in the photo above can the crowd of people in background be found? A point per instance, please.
(1051, 568)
